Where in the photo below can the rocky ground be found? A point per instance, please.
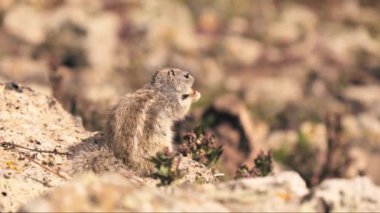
(299, 78)
(36, 133)
(35, 122)
(36, 137)
(288, 65)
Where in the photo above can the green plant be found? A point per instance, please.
(303, 158)
(313, 162)
(196, 145)
(263, 167)
(200, 147)
(166, 167)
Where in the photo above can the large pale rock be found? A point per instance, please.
(213, 73)
(101, 43)
(364, 126)
(343, 195)
(281, 192)
(345, 47)
(111, 192)
(282, 140)
(23, 69)
(166, 22)
(294, 23)
(243, 50)
(278, 91)
(362, 158)
(366, 95)
(26, 23)
(34, 121)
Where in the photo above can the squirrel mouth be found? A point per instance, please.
(191, 93)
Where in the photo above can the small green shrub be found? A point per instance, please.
(196, 145)
(200, 147)
(263, 167)
(166, 167)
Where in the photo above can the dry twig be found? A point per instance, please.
(9, 145)
(13, 146)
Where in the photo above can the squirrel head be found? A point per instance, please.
(173, 81)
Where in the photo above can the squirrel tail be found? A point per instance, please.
(92, 155)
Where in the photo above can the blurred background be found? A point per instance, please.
(299, 78)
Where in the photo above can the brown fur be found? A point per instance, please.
(93, 155)
(140, 124)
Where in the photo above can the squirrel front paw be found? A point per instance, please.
(195, 96)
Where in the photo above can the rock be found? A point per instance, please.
(213, 74)
(281, 192)
(363, 131)
(238, 25)
(111, 192)
(278, 91)
(362, 158)
(233, 84)
(20, 16)
(98, 91)
(295, 23)
(370, 127)
(166, 23)
(345, 46)
(87, 5)
(283, 33)
(32, 73)
(366, 95)
(157, 57)
(24, 69)
(209, 21)
(363, 127)
(351, 128)
(315, 134)
(282, 140)
(194, 172)
(28, 121)
(341, 195)
(242, 50)
(348, 10)
(101, 43)
(70, 13)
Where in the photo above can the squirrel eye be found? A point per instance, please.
(187, 75)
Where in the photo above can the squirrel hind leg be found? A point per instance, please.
(94, 155)
(98, 161)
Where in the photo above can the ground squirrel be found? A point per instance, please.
(140, 124)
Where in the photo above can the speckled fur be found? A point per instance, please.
(94, 155)
(141, 123)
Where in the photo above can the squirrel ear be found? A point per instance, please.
(155, 74)
(171, 72)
